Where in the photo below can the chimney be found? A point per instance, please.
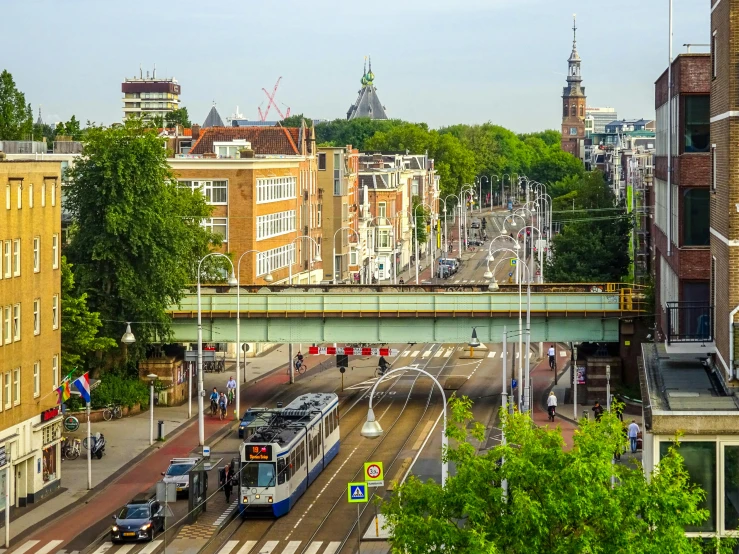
(195, 132)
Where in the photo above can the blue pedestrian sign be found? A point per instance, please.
(514, 383)
(357, 492)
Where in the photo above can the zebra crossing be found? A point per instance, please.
(448, 352)
(279, 547)
(107, 547)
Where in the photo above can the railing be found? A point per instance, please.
(689, 322)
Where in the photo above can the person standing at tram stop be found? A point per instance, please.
(226, 481)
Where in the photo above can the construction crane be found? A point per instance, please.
(271, 102)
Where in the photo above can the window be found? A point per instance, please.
(573, 111)
(53, 194)
(16, 257)
(697, 123)
(6, 259)
(30, 195)
(217, 225)
(700, 462)
(382, 210)
(16, 322)
(696, 210)
(54, 372)
(7, 197)
(352, 257)
(55, 311)
(36, 254)
(337, 173)
(714, 63)
(36, 379)
(55, 251)
(16, 386)
(275, 259)
(214, 192)
(713, 167)
(272, 225)
(36, 316)
(20, 195)
(581, 112)
(383, 238)
(8, 324)
(319, 214)
(8, 400)
(271, 189)
(43, 195)
(565, 111)
(322, 161)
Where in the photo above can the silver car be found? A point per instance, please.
(177, 473)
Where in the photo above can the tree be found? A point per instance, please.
(296, 121)
(178, 117)
(44, 131)
(558, 501)
(356, 132)
(137, 235)
(71, 128)
(80, 326)
(16, 117)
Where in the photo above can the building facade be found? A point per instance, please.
(30, 340)
(600, 117)
(573, 105)
(149, 97)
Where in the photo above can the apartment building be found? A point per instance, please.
(338, 194)
(30, 336)
(262, 184)
(149, 97)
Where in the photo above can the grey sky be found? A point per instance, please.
(439, 61)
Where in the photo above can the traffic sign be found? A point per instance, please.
(513, 261)
(351, 351)
(357, 492)
(374, 474)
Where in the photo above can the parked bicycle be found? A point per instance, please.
(112, 411)
(71, 448)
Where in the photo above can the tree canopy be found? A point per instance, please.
(178, 117)
(558, 501)
(16, 117)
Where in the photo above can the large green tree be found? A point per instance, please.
(178, 117)
(559, 501)
(72, 129)
(16, 117)
(356, 132)
(137, 234)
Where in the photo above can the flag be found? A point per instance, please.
(83, 385)
(63, 392)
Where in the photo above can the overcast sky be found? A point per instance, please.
(438, 61)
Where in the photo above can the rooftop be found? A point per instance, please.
(264, 140)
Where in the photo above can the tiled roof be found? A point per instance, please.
(367, 105)
(171, 132)
(373, 181)
(264, 140)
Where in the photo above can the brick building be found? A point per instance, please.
(573, 105)
(680, 231)
(30, 337)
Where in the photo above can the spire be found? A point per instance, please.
(574, 31)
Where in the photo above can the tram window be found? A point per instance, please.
(326, 425)
(281, 471)
(301, 454)
(310, 448)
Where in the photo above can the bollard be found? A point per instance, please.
(160, 431)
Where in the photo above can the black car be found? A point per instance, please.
(138, 520)
(249, 418)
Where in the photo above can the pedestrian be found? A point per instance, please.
(226, 481)
(402, 281)
(633, 435)
(551, 405)
(597, 410)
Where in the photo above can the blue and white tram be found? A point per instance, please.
(285, 453)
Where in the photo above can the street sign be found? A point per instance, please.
(374, 474)
(357, 492)
(206, 451)
(71, 423)
(514, 383)
(513, 261)
(351, 351)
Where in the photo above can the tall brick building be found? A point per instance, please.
(573, 105)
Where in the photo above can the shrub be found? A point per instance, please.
(117, 388)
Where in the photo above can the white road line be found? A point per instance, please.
(102, 548)
(28, 545)
(448, 353)
(50, 546)
(415, 353)
(228, 547)
(268, 547)
(123, 549)
(151, 547)
(291, 547)
(517, 355)
(246, 548)
(438, 353)
(501, 355)
(465, 281)
(491, 354)
(427, 354)
(332, 547)
(314, 547)
(404, 354)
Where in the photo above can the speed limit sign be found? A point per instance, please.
(374, 474)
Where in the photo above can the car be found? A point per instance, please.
(251, 419)
(177, 473)
(451, 263)
(475, 224)
(138, 520)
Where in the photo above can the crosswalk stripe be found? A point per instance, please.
(426, 354)
(415, 353)
(102, 548)
(314, 547)
(291, 547)
(491, 354)
(151, 547)
(332, 547)
(404, 354)
(246, 547)
(28, 545)
(438, 353)
(124, 549)
(228, 547)
(268, 547)
(448, 353)
(49, 547)
(501, 355)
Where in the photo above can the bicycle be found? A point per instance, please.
(552, 363)
(71, 450)
(112, 411)
(213, 407)
(231, 394)
(300, 367)
(222, 412)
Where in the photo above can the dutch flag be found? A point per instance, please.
(83, 385)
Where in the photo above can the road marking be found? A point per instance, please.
(465, 281)
(332, 547)
(268, 547)
(123, 549)
(415, 353)
(404, 354)
(491, 354)
(427, 354)
(438, 353)
(102, 548)
(517, 355)
(151, 547)
(28, 545)
(314, 547)
(50, 546)
(248, 545)
(228, 547)
(291, 547)
(501, 355)
(422, 436)
(448, 352)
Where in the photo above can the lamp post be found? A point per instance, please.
(151, 377)
(312, 259)
(127, 339)
(474, 342)
(371, 428)
(268, 279)
(232, 282)
(333, 262)
(415, 227)
(459, 221)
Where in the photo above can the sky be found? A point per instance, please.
(438, 61)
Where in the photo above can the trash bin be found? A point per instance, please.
(160, 430)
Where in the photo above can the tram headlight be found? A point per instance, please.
(257, 497)
(246, 500)
(269, 500)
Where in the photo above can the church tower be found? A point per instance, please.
(573, 103)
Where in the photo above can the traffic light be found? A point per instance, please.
(342, 360)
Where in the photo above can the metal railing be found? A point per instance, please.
(689, 322)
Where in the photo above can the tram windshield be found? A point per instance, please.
(258, 474)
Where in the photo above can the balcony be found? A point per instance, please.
(689, 322)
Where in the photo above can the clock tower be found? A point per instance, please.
(573, 103)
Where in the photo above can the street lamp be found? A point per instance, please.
(372, 429)
(232, 282)
(333, 263)
(151, 377)
(459, 221)
(474, 342)
(128, 337)
(317, 257)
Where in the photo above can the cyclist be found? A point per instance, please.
(213, 400)
(383, 365)
(298, 360)
(552, 362)
(551, 405)
(231, 389)
(222, 403)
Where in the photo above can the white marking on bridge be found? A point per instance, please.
(491, 354)
(404, 354)
(426, 354)
(151, 547)
(228, 547)
(268, 547)
(332, 547)
(448, 352)
(291, 547)
(246, 548)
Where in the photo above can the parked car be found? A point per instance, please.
(177, 473)
(443, 271)
(138, 520)
(475, 224)
(475, 242)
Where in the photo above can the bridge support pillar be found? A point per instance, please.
(290, 362)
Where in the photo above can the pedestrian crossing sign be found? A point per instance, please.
(357, 492)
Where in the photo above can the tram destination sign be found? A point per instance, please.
(259, 453)
(351, 351)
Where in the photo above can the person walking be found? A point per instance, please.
(551, 405)
(633, 435)
(226, 481)
(597, 410)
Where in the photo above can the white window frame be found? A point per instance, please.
(714, 55)
(382, 210)
(55, 371)
(273, 189)
(6, 386)
(55, 251)
(713, 168)
(16, 386)
(36, 378)
(55, 312)
(16, 322)
(37, 316)
(276, 258)
(8, 332)
(211, 223)
(276, 224)
(207, 188)
(8, 258)
(353, 257)
(16, 257)
(43, 195)
(36, 254)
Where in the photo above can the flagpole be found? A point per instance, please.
(89, 450)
